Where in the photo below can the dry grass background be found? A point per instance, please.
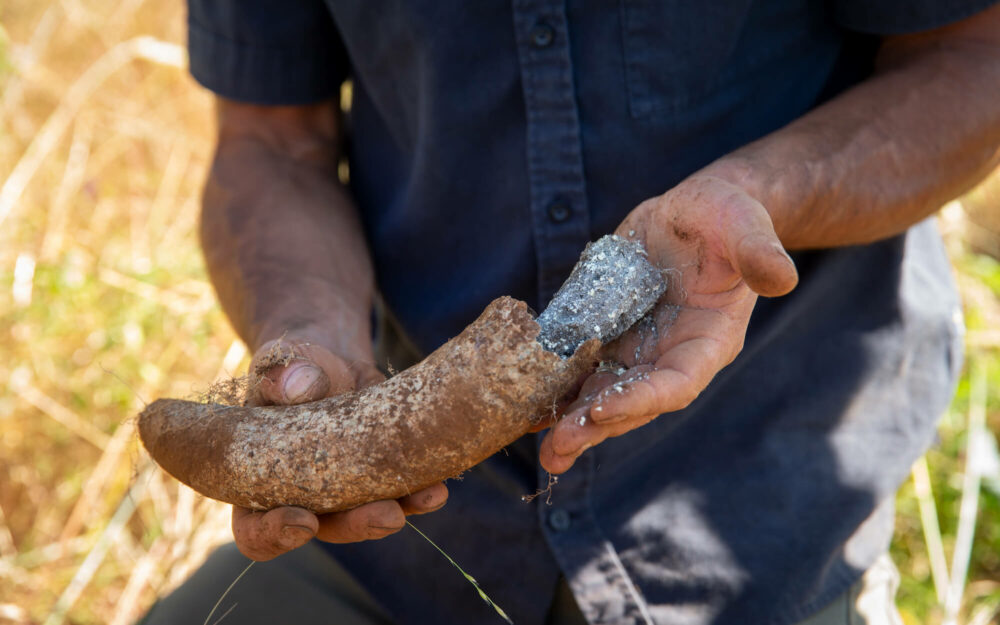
(104, 142)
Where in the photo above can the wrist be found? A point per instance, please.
(784, 191)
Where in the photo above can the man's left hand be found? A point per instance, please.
(718, 248)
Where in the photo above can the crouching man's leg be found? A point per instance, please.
(871, 601)
(305, 586)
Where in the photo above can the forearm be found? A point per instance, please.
(885, 154)
(281, 237)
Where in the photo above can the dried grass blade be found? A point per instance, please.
(932, 529)
(52, 131)
(76, 424)
(468, 577)
(7, 547)
(216, 606)
(98, 480)
(85, 572)
(970, 496)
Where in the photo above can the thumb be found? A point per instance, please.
(765, 266)
(291, 372)
(757, 254)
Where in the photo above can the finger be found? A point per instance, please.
(586, 395)
(765, 266)
(296, 383)
(574, 434)
(756, 250)
(597, 381)
(368, 522)
(579, 429)
(426, 500)
(683, 372)
(569, 439)
(551, 461)
(598, 413)
(262, 536)
(294, 373)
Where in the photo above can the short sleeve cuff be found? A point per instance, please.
(881, 17)
(301, 73)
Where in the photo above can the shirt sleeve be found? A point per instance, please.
(266, 51)
(897, 17)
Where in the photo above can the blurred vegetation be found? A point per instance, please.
(104, 304)
(948, 461)
(104, 141)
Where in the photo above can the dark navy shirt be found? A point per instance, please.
(489, 141)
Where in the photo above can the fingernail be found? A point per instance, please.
(577, 452)
(295, 535)
(379, 531)
(599, 415)
(302, 383)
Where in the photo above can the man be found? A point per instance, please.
(488, 142)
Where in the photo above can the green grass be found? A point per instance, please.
(980, 276)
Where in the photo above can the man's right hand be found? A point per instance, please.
(286, 252)
(291, 371)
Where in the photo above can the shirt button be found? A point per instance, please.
(559, 520)
(559, 211)
(542, 35)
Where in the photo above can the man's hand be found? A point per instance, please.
(865, 165)
(293, 371)
(284, 247)
(720, 251)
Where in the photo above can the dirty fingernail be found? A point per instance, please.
(304, 382)
(378, 531)
(599, 415)
(295, 535)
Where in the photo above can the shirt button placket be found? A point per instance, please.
(561, 229)
(560, 222)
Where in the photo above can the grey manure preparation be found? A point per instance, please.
(468, 399)
(611, 287)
